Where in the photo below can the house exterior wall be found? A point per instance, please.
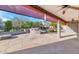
(75, 27)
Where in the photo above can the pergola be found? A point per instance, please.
(34, 11)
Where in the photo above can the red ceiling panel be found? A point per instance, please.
(28, 11)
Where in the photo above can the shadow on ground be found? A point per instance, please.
(13, 37)
(70, 46)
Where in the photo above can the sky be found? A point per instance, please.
(9, 16)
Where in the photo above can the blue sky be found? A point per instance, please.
(9, 16)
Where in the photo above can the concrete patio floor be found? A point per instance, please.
(70, 46)
(25, 41)
(41, 43)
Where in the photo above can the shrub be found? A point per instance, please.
(8, 25)
(13, 30)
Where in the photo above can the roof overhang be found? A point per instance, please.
(31, 10)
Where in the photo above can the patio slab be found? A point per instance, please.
(34, 39)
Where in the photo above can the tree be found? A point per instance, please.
(16, 23)
(53, 24)
(37, 24)
(26, 24)
(8, 25)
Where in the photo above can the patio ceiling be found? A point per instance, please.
(68, 13)
(29, 10)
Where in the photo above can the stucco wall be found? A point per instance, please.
(75, 27)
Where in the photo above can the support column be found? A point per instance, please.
(58, 30)
(44, 16)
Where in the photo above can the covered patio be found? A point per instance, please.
(60, 42)
(36, 12)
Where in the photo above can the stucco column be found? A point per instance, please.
(58, 29)
(44, 16)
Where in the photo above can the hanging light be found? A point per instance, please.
(64, 12)
(73, 20)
